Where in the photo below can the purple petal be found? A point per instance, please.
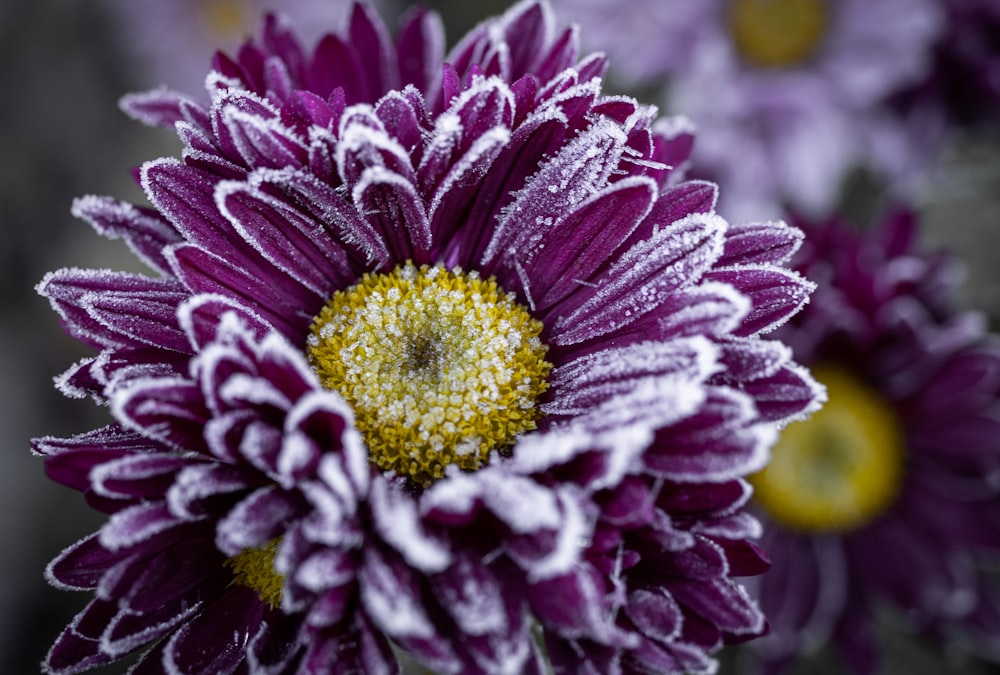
(641, 279)
(335, 64)
(655, 614)
(719, 442)
(202, 317)
(776, 294)
(788, 394)
(144, 230)
(574, 605)
(215, 640)
(148, 475)
(256, 520)
(585, 239)
(567, 180)
(170, 410)
(391, 204)
(137, 525)
(397, 520)
(370, 39)
(263, 141)
(760, 243)
(420, 46)
(81, 566)
(79, 298)
(198, 486)
(158, 107)
(77, 649)
(207, 273)
(341, 219)
(486, 105)
(391, 596)
(722, 602)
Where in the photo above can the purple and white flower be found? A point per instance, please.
(442, 354)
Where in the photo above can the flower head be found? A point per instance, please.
(442, 354)
(888, 496)
(787, 95)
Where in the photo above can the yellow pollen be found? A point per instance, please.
(839, 469)
(441, 367)
(777, 33)
(254, 568)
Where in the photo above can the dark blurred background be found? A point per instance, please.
(63, 66)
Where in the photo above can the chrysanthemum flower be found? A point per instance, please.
(442, 357)
(787, 95)
(172, 41)
(887, 498)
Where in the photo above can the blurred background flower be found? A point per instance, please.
(886, 501)
(789, 96)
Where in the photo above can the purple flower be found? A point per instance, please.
(888, 496)
(962, 88)
(442, 355)
(787, 95)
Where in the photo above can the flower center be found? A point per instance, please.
(224, 18)
(840, 468)
(441, 367)
(777, 33)
(254, 568)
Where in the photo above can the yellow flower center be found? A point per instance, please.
(777, 33)
(225, 19)
(840, 468)
(441, 367)
(254, 568)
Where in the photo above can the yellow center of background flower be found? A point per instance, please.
(840, 468)
(777, 33)
(441, 367)
(225, 19)
(254, 568)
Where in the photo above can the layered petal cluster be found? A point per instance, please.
(884, 315)
(610, 538)
(787, 95)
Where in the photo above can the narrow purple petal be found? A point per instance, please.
(580, 243)
(158, 107)
(760, 243)
(420, 46)
(641, 279)
(144, 230)
(776, 294)
(256, 520)
(215, 640)
(169, 410)
(81, 566)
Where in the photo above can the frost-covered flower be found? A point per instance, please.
(787, 95)
(888, 497)
(442, 354)
(172, 41)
